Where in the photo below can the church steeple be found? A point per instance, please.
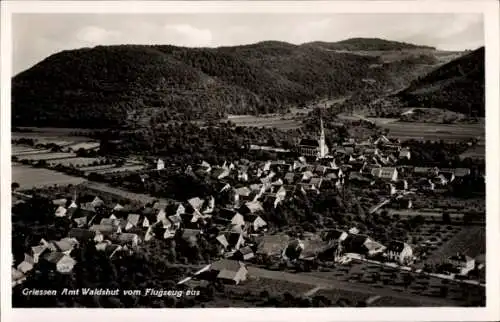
(322, 144)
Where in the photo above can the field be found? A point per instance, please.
(131, 167)
(29, 177)
(76, 162)
(470, 241)
(94, 168)
(20, 151)
(46, 156)
(428, 131)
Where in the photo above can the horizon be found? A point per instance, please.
(59, 32)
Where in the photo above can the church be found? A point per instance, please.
(314, 148)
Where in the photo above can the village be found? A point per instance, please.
(235, 220)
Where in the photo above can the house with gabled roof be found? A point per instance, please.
(60, 211)
(59, 261)
(37, 251)
(106, 230)
(256, 222)
(363, 245)
(229, 271)
(334, 234)
(251, 207)
(85, 234)
(60, 202)
(462, 263)
(231, 216)
(244, 254)
(196, 203)
(17, 277)
(385, 173)
(399, 252)
(219, 173)
(25, 266)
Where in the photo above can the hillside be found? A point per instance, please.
(457, 86)
(110, 86)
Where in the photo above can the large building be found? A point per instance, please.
(314, 148)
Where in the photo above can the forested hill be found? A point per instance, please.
(112, 85)
(369, 44)
(457, 86)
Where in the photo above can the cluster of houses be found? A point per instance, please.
(233, 218)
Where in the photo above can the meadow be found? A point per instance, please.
(29, 177)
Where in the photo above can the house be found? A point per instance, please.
(127, 239)
(17, 277)
(64, 246)
(244, 254)
(229, 271)
(196, 203)
(316, 182)
(118, 207)
(26, 265)
(231, 216)
(106, 230)
(256, 222)
(251, 207)
(243, 193)
(85, 234)
(134, 220)
(175, 208)
(404, 154)
(334, 234)
(60, 211)
(97, 202)
(385, 173)
(219, 173)
(363, 245)
(37, 251)
(307, 175)
(176, 221)
(399, 252)
(449, 176)
(59, 261)
(160, 164)
(425, 172)
(462, 263)
(60, 202)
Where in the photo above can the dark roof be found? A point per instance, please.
(333, 234)
(232, 238)
(309, 143)
(53, 257)
(79, 233)
(245, 250)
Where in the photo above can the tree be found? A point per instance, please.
(14, 186)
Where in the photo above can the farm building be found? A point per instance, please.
(399, 252)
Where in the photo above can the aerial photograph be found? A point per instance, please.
(248, 160)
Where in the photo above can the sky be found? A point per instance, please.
(37, 36)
